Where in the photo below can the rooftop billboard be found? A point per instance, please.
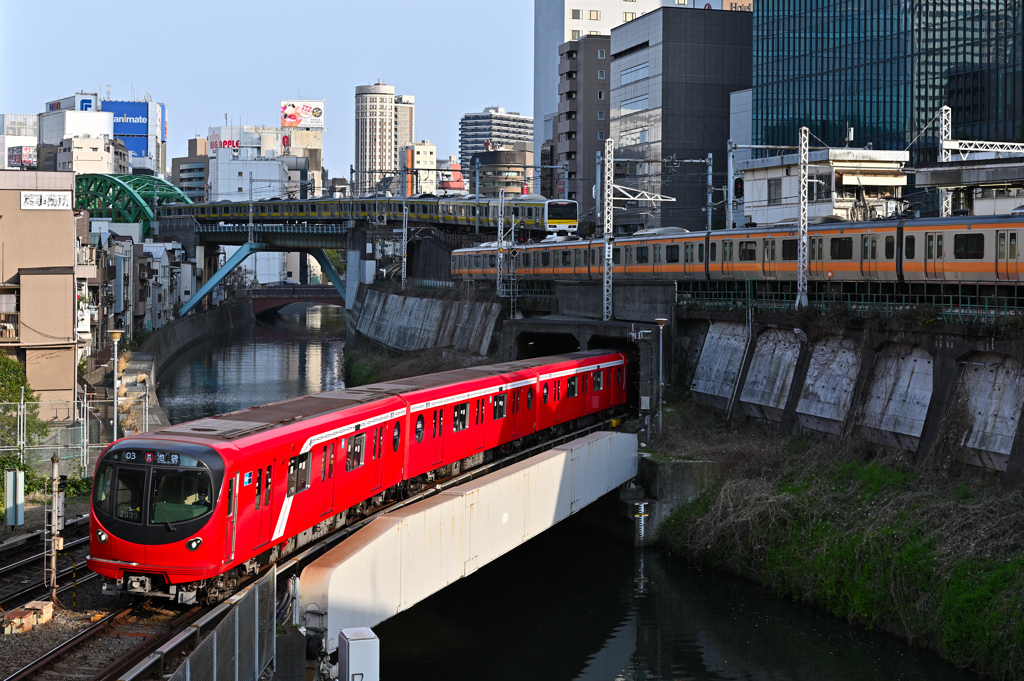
(130, 118)
(302, 114)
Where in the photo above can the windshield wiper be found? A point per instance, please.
(166, 519)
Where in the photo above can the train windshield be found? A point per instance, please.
(561, 210)
(179, 495)
(156, 487)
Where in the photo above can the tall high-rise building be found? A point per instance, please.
(479, 132)
(385, 124)
(888, 74)
(559, 21)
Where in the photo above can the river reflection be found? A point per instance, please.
(297, 352)
(571, 605)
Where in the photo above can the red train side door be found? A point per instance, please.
(377, 457)
(327, 455)
(231, 526)
(265, 489)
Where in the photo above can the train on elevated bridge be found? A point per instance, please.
(536, 216)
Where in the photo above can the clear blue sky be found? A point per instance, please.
(205, 59)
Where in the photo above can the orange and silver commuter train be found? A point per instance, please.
(960, 249)
(531, 213)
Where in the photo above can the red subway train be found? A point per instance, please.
(186, 511)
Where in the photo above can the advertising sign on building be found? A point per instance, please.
(46, 200)
(130, 118)
(302, 114)
(21, 157)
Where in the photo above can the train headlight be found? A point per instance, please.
(102, 536)
(193, 544)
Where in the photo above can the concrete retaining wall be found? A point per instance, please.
(828, 389)
(899, 396)
(995, 396)
(408, 323)
(721, 361)
(770, 377)
(170, 341)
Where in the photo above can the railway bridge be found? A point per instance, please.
(272, 298)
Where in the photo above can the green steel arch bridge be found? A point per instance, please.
(126, 198)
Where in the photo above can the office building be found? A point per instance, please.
(385, 124)
(38, 319)
(87, 154)
(508, 167)
(671, 79)
(887, 74)
(190, 173)
(418, 163)
(584, 118)
(558, 21)
(491, 128)
(296, 153)
(19, 134)
(75, 116)
(142, 127)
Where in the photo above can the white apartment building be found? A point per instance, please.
(88, 154)
(559, 21)
(19, 134)
(492, 126)
(418, 162)
(385, 124)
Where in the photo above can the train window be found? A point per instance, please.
(231, 497)
(938, 245)
(323, 464)
(930, 247)
(672, 253)
(544, 393)
(769, 250)
(433, 424)
(493, 260)
(968, 246)
(867, 244)
(529, 398)
(821, 248)
(356, 452)
(700, 252)
(101, 488)
(841, 248)
(460, 417)
(618, 377)
(330, 466)
(128, 502)
(642, 255)
(1013, 245)
(259, 488)
(570, 386)
(419, 428)
(498, 410)
(598, 380)
(476, 261)
(179, 495)
(790, 249)
(545, 259)
(266, 493)
(1002, 245)
(566, 261)
(711, 252)
(616, 256)
(298, 474)
(748, 251)
(890, 247)
(584, 384)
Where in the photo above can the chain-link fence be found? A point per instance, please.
(77, 431)
(243, 644)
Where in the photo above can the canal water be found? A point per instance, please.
(568, 605)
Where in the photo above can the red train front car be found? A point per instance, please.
(187, 511)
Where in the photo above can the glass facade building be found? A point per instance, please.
(885, 68)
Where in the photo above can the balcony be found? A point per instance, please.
(568, 105)
(567, 86)
(567, 65)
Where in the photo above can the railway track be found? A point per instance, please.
(23, 581)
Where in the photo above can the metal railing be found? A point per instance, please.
(243, 645)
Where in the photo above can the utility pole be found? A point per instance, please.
(730, 183)
(945, 133)
(801, 287)
(405, 229)
(476, 191)
(710, 190)
(607, 211)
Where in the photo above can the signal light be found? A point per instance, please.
(737, 188)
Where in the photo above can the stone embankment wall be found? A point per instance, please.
(408, 322)
(181, 334)
(931, 391)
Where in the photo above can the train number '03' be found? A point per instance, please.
(129, 456)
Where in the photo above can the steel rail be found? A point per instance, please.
(38, 556)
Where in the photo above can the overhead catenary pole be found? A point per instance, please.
(405, 230)
(730, 183)
(801, 286)
(710, 190)
(607, 192)
(249, 238)
(945, 133)
(476, 191)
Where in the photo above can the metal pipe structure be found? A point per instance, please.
(730, 183)
(115, 335)
(945, 133)
(661, 370)
(54, 520)
(710, 201)
(608, 191)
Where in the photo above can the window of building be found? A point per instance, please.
(600, 134)
(600, 115)
(634, 136)
(635, 104)
(595, 15)
(682, 2)
(576, 35)
(600, 94)
(600, 54)
(634, 73)
(775, 191)
(628, 16)
(593, 32)
(600, 74)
